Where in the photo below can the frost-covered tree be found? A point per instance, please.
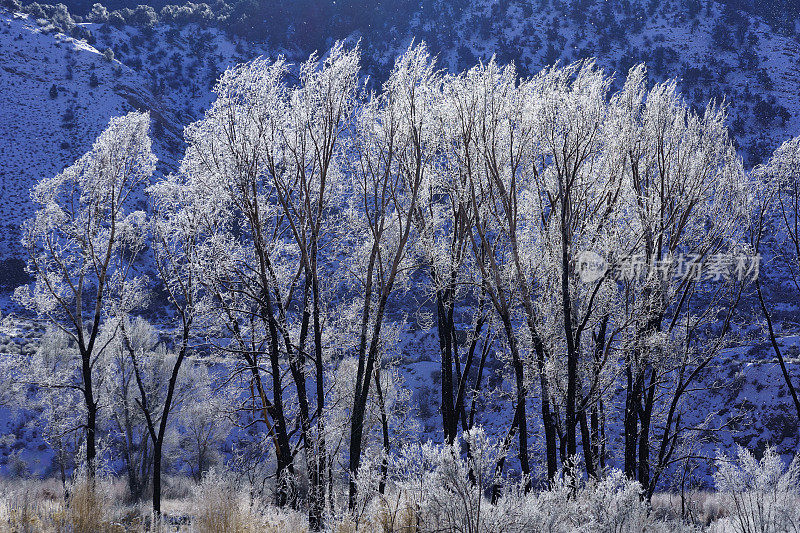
(686, 200)
(248, 268)
(82, 244)
(310, 194)
(205, 421)
(776, 228)
(175, 226)
(127, 427)
(47, 384)
(568, 197)
(444, 219)
(143, 390)
(263, 167)
(389, 154)
(493, 148)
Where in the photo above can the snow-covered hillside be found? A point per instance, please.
(170, 71)
(755, 63)
(58, 93)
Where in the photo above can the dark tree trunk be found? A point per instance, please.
(317, 507)
(521, 400)
(501, 461)
(157, 453)
(158, 444)
(550, 432)
(384, 432)
(586, 443)
(363, 381)
(631, 422)
(645, 416)
(776, 348)
(91, 416)
(445, 324)
(572, 355)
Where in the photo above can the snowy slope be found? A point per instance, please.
(42, 132)
(672, 44)
(170, 71)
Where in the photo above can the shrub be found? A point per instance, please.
(761, 496)
(442, 488)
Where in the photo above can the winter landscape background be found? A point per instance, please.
(350, 278)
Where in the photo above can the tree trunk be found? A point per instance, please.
(91, 416)
(317, 504)
(157, 448)
(631, 422)
(444, 322)
(569, 334)
(363, 381)
(520, 409)
(501, 460)
(356, 432)
(776, 348)
(645, 416)
(550, 437)
(586, 444)
(384, 432)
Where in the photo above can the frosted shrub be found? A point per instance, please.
(442, 488)
(761, 496)
(612, 504)
(553, 510)
(615, 504)
(446, 490)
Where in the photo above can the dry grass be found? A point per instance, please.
(29, 506)
(22, 515)
(39, 506)
(220, 508)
